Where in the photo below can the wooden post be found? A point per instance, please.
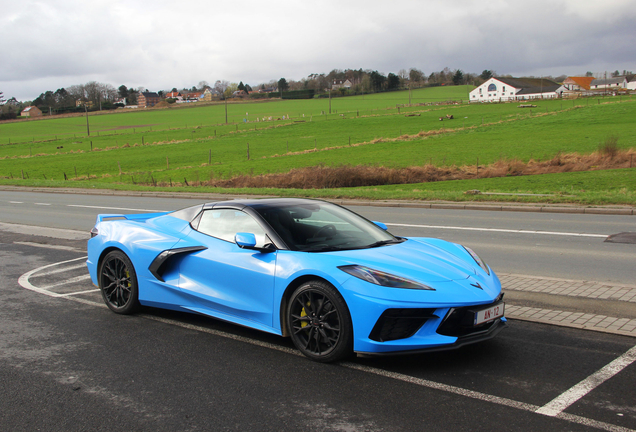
(119, 166)
(167, 163)
(248, 151)
(210, 157)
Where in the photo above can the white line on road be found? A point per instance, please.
(16, 202)
(560, 403)
(62, 270)
(514, 231)
(42, 204)
(24, 279)
(116, 208)
(66, 282)
(79, 292)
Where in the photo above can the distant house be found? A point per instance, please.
(341, 84)
(614, 83)
(176, 96)
(148, 99)
(631, 83)
(192, 96)
(208, 95)
(515, 89)
(31, 111)
(577, 83)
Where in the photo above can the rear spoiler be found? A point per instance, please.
(140, 217)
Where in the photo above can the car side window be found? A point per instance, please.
(225, 223)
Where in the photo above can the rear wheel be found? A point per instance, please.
(319, 322)
(118, 283)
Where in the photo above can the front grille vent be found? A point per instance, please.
(396, 324)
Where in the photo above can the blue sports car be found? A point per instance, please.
(333, 281)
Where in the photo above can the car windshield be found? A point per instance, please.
(321, 227)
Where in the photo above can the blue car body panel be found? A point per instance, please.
(218, 278)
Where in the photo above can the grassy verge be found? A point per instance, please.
(608, 187)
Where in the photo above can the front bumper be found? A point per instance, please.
(461, 341)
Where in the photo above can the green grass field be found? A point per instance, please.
(194, 144)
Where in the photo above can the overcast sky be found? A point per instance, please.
(161, 44)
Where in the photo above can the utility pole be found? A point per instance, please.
(88, 131)
(225, 98)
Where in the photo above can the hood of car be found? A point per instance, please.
(415, 259)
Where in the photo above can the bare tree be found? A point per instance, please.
(221, 86)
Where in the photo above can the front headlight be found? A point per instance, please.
(381, 278)
(478, 260)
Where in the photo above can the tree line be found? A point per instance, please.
(99, 96)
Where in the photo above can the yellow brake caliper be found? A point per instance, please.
(304, 324)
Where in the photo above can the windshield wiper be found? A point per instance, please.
(384, 243)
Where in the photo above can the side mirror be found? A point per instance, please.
(245, 240)
(381, 225)
(248, 241)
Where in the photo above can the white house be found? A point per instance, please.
(339, 83)
(516, 89)
(609, 84)
(631, 84)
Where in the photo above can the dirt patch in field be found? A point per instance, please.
(322, 177)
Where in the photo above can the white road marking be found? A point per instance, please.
(24, 279)
(66, 282)
(16, 202)
(79, 292)
(514, 231)
(117, 208)
(563, 401)
(62, 270)
(42, 204)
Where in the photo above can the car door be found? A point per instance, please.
(227, 281)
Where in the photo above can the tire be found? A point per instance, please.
(319, 323)
(118, 283)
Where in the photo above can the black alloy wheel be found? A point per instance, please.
(118, 283)
(319, 322)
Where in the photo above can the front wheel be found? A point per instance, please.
(319, 322)
(118, 283)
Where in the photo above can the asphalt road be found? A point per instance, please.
(569, 246)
